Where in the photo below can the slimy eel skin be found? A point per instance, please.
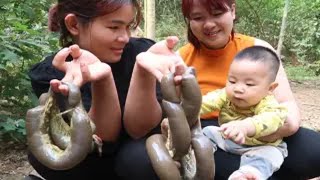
(51, 140)
(181, 141)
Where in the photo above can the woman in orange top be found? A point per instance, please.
(213, 44)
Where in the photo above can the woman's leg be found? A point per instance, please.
(93, 167)
(226, 163)
(303, 155)
(132, 161)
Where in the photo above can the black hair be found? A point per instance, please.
(86, 11)
(261, 54)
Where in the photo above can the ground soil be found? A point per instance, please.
(13, 159)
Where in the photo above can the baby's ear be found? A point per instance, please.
(273, 86)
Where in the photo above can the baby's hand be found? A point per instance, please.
(234, 130)
(85, 67)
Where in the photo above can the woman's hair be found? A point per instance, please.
(210, 5)
(86, 11)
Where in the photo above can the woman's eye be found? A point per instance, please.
(217, 14)
(196, 18)
(130, 27)
(114, 27)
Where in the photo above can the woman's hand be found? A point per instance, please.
(161, 59)
(84, 67)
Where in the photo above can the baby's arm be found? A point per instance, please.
(268, 118)
(212, 101)
(268, 122)
(238, 130)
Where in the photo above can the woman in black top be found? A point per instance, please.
(119, 93)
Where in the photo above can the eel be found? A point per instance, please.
(61, 146)
(181, 151)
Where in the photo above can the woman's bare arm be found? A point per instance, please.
(142, 110)
(284, 95)
(105, 109)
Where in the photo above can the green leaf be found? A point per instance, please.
(9, 55)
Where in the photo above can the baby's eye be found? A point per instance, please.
(250, 84)
(231, 81)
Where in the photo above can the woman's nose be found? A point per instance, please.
(124, 37)
(210, 23)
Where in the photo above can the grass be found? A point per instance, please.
(300, 73)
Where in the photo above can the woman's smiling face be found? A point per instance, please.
(212, 29)
(106, 36)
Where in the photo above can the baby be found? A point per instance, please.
(248, 111)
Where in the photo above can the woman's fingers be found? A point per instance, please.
(84, 67)
(85, 72)
(64, 89)
(59, 60)
(68, 77)
(75, 51)
(171, 42)
(165, 47)
(180, 68)
(156, 64)
(158, 75)
(55, 83)
(58, 87)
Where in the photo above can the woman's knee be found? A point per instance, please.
(303, 152)
(132, 161)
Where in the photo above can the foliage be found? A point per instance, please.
(262, 19)
(169, 20)
(304, 41)
(23, 41)
(13, 129)
(300, 73)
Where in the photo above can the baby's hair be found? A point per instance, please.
(261, 54)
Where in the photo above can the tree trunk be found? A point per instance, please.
(283, 26)
(150, 18)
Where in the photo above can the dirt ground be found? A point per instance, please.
(13, 159)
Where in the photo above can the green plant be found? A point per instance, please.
(12, 129)
(315, 67)
(23, 42)
(299, 73)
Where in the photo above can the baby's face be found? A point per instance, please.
(248, 83)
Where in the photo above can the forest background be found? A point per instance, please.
(25, 40)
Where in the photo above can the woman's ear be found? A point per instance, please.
(233, 11)
(72, 24)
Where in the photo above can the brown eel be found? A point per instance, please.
(52, 141)
(181, 141)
